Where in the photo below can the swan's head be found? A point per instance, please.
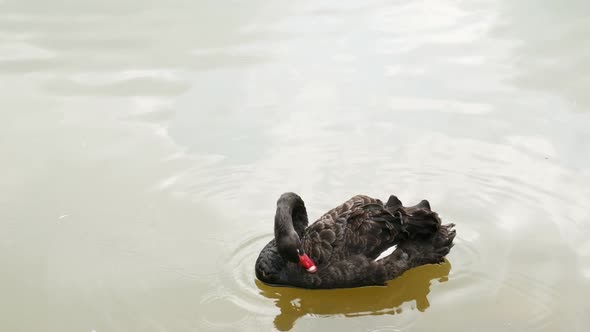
(291, 249)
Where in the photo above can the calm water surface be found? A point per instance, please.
(143, 145)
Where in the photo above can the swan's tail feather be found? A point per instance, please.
(423, 240)
(417, 221)
(420, 223)
(393, 203)
(415, 252)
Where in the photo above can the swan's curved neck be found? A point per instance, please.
(291, 216)
(290, 223)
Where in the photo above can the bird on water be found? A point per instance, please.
(342, 249)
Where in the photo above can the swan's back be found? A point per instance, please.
(360, 226)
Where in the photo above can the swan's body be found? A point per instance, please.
(339, 249)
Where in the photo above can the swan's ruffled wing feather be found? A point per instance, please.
(359, 226)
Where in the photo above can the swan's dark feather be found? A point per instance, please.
(362, 226)
(345, 241)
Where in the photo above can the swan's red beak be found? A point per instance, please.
(307, 263)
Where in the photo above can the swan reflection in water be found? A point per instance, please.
(414, 285)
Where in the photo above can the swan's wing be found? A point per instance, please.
(360, 226)
(354, 204)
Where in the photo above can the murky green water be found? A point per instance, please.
(143, 145)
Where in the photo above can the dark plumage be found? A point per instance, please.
(345, 242)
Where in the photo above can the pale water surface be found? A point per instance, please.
(143, 145)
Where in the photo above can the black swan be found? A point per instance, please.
(340, 249)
